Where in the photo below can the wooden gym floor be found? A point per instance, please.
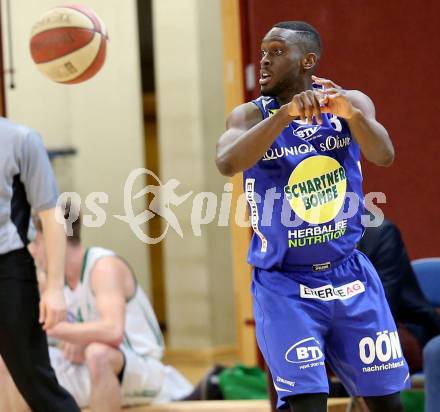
(334, 405)
(194, 371)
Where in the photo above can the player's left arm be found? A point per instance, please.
(108, 286)
(359, 112)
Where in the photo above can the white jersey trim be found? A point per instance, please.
(250, 196)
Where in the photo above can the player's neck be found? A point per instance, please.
(74, 263)
(302, 84)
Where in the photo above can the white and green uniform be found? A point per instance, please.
(145, 378)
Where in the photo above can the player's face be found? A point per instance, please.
(38, 251)
(280, 64)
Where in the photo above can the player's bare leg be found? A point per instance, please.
(10, 399)
(104, 364)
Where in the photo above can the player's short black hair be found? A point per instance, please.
(307, 34)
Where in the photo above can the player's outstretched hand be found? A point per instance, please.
(52, 307)
(334, 99)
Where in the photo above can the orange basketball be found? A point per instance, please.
(68, 44)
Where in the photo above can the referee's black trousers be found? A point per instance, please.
(23, 343)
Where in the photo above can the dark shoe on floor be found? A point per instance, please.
(208, 389)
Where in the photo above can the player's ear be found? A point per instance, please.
(309, 61)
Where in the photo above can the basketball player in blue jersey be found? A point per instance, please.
(316, 299)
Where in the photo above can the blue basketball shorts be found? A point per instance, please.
(339, 316)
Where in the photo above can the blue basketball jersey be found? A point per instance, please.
(305, 195)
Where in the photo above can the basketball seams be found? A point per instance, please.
(91, 30)
(79, 20)
(79, 75)
(97, 23)
(99, 55)
(65, 57)
(74, 51)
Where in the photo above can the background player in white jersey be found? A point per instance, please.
(108, 353)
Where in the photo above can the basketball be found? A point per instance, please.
(68, 44)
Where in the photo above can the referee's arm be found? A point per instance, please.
(41, 191)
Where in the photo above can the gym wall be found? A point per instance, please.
(190, 100)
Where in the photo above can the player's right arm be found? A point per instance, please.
(248, 136)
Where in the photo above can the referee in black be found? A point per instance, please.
(27, 181)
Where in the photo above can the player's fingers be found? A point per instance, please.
(42, 316)
(322, 81)
(333, 96)
(331, 90)
(328, 97)
(316, 111)
(316, 108)
(322, 100)
(66, 352)
(300, 106)
(78, 356)
(50, 320)
(326, 107)
(327, 83)
(74, 356)
(70, 354)
(308, 105)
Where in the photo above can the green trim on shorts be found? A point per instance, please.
(127, 342)
(156, 331)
